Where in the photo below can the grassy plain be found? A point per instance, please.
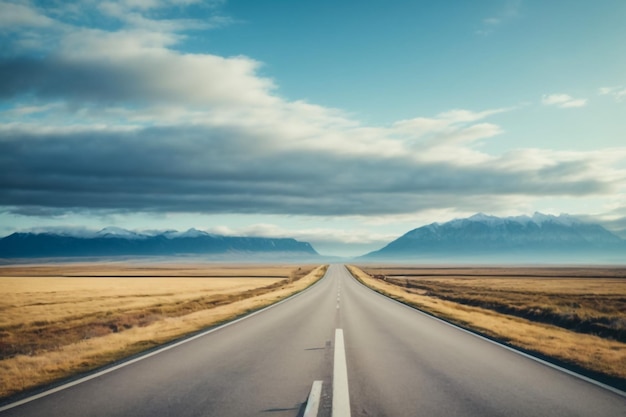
(576, 316)
(59, 320)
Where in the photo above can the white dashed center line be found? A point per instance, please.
(341, 396)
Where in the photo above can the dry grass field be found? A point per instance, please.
(574, 315)
(58, 320)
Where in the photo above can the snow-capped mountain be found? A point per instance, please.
(481, 235)
(112, 241)
(117, 232)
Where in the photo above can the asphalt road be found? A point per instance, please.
(397, 362)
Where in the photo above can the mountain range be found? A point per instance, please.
(479, 238)
(482, 237)
(119, 242)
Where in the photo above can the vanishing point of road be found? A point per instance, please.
(350, 350)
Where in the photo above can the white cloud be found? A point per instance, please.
(135, 16)
(449, 136)
(618, 93)
(315, 234)
(563, 101)
(575, 103)
(463, 116)
(452, 124)
(18, 15)
(32, 109)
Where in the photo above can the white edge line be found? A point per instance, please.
(149, 354)
(313, 403)
(341, 394)
(510, 348)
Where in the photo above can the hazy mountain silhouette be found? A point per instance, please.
(117, 242)
(482, 237)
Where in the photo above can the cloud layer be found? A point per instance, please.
(618, 93)
(95, 118)
(563, 101)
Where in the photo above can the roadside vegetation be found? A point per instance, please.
(61, 320)
(574, 316)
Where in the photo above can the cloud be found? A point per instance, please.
(563, 101)
(42, 26)
(315, 234)
(123, 121)
(509, 10)
(452, 123)
(226, 170)
(449, 135)
(18, 15)
(135, 15)
(136, 73)
(618, 93)
(613, 219)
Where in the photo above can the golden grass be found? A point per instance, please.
(586, 300)
(594, 353)
(53, 326)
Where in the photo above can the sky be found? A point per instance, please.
(342, 123)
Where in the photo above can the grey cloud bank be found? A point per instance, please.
(219, 170)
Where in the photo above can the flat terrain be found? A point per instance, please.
(574, 315)
(57, 320)
(399, 362)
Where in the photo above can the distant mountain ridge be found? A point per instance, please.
(113, 241)
(482, 235)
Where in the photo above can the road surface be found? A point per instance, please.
(385, 360)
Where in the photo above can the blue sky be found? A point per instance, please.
(345, 123)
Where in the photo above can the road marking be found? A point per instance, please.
(341, 395)
(313, 403)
